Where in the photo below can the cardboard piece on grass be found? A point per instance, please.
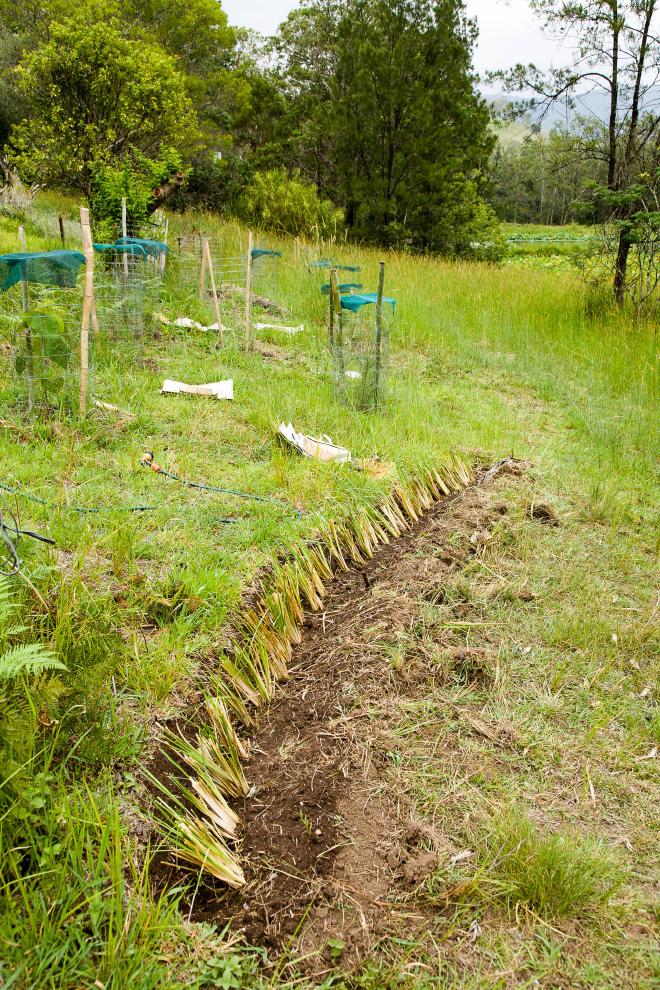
(321, 449)
(213, 390)
(185, 321)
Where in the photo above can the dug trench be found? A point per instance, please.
(331, 849)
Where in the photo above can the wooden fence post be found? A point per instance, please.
(379, 329)
(335, 310)
(214, 293)
(163, 254)
(248, 294)
(202, 271)
(124, 229)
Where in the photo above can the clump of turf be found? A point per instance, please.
(552, 873)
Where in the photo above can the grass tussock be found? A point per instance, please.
(552, 873)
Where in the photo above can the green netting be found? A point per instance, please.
(343, 287)
(132, 249)
(328, 263)
(45, 267)
(265, 252)
(152, 248)
(356, 302)
(266, 273)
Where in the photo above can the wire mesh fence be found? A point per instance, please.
(266, 276)
(119, 291)
(212, 274)
(359, 343)
(43, 353)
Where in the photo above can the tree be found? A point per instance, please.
(194, 32)
(544, 179)
(619, 54)
(94, 97)
(384, 117)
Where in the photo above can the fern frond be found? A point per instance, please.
(8, 606)
(27, 658)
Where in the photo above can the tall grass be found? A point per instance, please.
(74, 909)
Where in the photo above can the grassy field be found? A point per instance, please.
(536, 247)
(486, 361)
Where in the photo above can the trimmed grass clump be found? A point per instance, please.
(554, 874)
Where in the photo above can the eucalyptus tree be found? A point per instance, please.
(617, 53)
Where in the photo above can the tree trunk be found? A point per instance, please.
(161, 193)
(614, 102)
(621, 267)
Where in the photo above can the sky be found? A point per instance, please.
(508, 33)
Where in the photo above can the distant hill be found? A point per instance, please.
(594, 104)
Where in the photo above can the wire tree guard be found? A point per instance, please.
(43, 304)
(359, 327)
(231, 283)
(120, 294)
(129, 282)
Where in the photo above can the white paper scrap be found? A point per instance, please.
(322, 449)
(214, 390)
(185, 321)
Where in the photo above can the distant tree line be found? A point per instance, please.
(545, 179)
(360, 116)
(369, 107)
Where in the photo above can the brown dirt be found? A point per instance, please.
(331, 850)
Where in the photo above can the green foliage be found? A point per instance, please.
(214, 183)
(288, 205)
(384, 117)
(44, 353)
(134, 179)
(543, 179)
(74, 909)
(95, 97)
(29, 659)
(635, 224)
(19, 661)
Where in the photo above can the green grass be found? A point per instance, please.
(483, 359)
(552, 874)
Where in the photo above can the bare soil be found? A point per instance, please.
(332, 852)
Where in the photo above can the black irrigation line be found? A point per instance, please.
(81, 509)
(9, 534)
(148, 461)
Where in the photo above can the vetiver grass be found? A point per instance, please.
(482, 359)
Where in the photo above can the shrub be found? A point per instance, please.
(289, 205)
(92, 97)
(134, 180)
